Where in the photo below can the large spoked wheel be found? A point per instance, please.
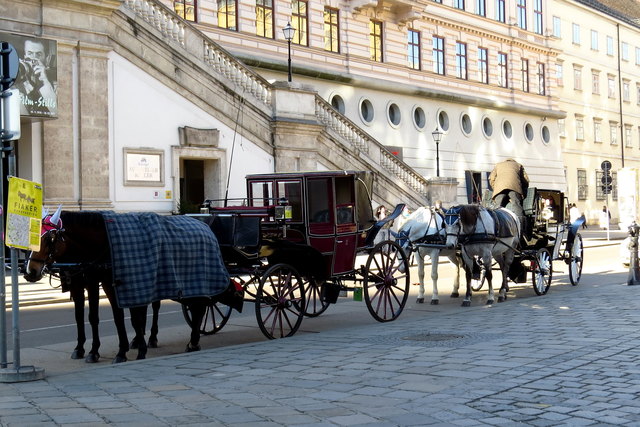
(479, 276)
(214, 319)
(280, 301)
(315, 306)
(575, 262)
(386, 289)
(542, 271)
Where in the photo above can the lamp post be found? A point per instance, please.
(437, 137)
(288, 32)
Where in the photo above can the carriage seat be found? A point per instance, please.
(237, 232)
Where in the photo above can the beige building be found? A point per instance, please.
(598, 79)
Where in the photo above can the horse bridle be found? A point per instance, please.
(50, 238)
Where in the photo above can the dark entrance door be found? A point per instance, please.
(191, 186)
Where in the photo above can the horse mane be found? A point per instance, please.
(469, 215)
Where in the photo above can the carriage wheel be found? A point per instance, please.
(280, 301)
(315, 306)
(214, 318)
(386, 289)
(542, 271)
(476, 284)
(575, 263)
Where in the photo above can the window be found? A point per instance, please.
(638, 94)
(227, 14)
(638, 56)
(613, 133)
(595, 83)
(500, 8)
(458, 4)
(577, 78)
(579, 128)
(583, 187)
(481, 7)
(597, 130)
(537, 17)
(461, 60)
(557, 29)
(541, 80)
(625, 51)
(300, 21)
(502, 70)
(560, 74)
(611, 86)
(375, 40)
(413, 49)
(562, 128)
(331, 30)
(522, 13)
(186, 9)
(576, 34)
(594, 40)
(483, 67)
(628, 136)
(609, 45)
(264, 18)
(438, 55)
(626, 95)
(524, 70)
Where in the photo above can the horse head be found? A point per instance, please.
(51, 245)
(453, 226)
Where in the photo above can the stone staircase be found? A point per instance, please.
(154, 25)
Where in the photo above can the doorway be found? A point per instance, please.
(191, 186)
(474, 186)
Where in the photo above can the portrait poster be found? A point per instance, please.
(24, 214)
(37, 79)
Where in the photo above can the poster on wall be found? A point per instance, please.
(37, 79)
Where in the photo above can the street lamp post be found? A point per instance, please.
(437, 137)
(288, 32)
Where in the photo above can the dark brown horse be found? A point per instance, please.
(79, 244)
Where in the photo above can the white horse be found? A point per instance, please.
(485, 234)
(423, 227)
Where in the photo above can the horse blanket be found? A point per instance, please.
(158, 257)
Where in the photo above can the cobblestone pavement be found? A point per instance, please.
(568, 358)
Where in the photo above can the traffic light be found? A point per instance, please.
(607, 179)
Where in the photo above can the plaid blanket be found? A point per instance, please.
(158, 257)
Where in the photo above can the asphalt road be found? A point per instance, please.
(47, 330)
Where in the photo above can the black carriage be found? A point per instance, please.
(295, 243)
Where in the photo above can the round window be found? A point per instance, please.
(443, 120)
(528, 132)
(338, 103)
(465, 124)
(546, 135)
(487, 127)
(419, 118)
(366, 111)
(393, 113)
(506, 129)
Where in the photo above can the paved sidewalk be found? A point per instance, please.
(568, 358)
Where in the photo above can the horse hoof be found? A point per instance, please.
(119, 359)
(153, 343)
(133, 345)
(191, 348)
(435, 302)
(502, 299)
(466, 303)
(490, 301)
(77, 354)
(455, 294)
(141, 356)
(420, 300)
(92, 358)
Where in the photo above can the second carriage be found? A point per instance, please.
(297, 241)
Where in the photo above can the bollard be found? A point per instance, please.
(634, 268)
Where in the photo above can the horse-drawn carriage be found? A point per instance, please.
(293, 245)
(481, 235)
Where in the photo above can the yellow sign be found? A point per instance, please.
(24, 214)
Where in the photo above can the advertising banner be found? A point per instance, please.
(24, 214)
(37, 79)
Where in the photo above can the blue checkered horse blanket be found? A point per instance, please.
(158, 257)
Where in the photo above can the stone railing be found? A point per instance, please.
(360, 140)
(174, 28)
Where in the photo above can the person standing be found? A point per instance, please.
(574, 213)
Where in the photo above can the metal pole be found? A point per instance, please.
(3, 284)
(437, 159)
(15, 298)
(289, 45)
